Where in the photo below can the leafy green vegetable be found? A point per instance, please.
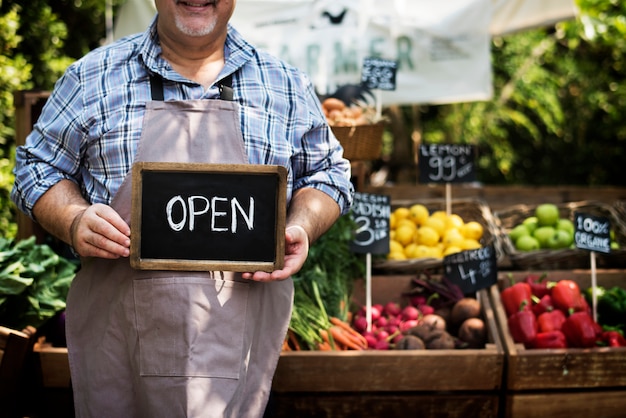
(34, 282)
(323, 287)
(611, 306)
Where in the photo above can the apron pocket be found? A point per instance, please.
(190, 326)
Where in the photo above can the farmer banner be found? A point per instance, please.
(441, 48)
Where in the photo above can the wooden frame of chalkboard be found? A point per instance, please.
(208, 217)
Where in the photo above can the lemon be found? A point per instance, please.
(454, 221)
(470, 244)
(401, 213)
(409, 250)
(404, 234)
(422, 251)
(395, 246)
(427, 236)
(452, 237)
(436, 223)
(418, 213)
(440, 214)
(393, 220)
(452, 250)
(406, 222)
(472, 230)
(396, 255)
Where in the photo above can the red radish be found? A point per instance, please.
(371, 340)
(410, 312)
(426, 309)
(382, 335)
(392, 309)
(395, 321)
(382, 345)
(377, 311)
(407, 325)
(418, 300)
(392, 329)
(382, 322)
(360, 323)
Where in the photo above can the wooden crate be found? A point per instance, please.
(457, 383)
(562, 382)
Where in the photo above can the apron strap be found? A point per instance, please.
(156, 88)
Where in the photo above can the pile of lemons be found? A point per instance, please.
(417, 233)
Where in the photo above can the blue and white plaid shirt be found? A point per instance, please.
(91, 124)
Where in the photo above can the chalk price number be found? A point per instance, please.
(592, 233)
(371, 215)
(446, 163)
(472, 270)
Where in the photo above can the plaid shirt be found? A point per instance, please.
(90, 127)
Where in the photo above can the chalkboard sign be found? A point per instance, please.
(371, 214)
(472, 270)
(592, 233)
(379, 74)
(203, 217)
(446, 163)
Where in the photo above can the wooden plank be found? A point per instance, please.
(605, 404)
(55, 368)
(573, 368)
(388, 405)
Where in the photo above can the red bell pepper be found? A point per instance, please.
(550, 339)
(613, 339)
(567, 297)
(515, 296)
(523, 326)
(551, 321)
(580, 330)
(542, 305)
(538, 284)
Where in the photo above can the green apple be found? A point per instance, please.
(614, 245)
(543, 234)
(560, 239)
(527, 243)
(531, 223)
(547, 214)
(518, 231)
(565, 224)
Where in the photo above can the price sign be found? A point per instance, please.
(592, 233)
(442, 163)
(371, 214)
(472, 270)
(379, 74)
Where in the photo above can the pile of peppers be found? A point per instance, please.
(554, 314)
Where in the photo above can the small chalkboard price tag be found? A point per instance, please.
(379, 74)
(371, 214)
(203, 217)
(446, 163)
(592, 233)
(472, 270)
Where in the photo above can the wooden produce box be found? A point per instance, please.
(562, 382)
(393, 383)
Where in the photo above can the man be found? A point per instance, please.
(170, 344)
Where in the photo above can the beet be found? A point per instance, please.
(410, 342)
(473, 332)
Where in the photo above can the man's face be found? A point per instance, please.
(194, 18)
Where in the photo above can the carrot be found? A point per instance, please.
(328, 339)
(324, 346)
(286, 346)
(293, 340)
(339, 334)
(354, 334)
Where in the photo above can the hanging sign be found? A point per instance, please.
(371, 214)
(380, 74)
(446, 163)
(592, 233)
(472, 270)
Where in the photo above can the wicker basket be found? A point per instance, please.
(360, 142)
(469, 210)
(564, 258)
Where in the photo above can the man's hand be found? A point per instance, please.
(296, 252)
(99, 231)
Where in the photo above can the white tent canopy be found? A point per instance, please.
(442, 48)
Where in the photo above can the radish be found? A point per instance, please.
(382, 345)
(410, 312)
(392, 309)
(407, 325)
(382, 322)
(426, 309)
(360, 323)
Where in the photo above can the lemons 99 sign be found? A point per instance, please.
(443, 163)
(371, 214)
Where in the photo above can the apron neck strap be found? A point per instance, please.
(156, 87)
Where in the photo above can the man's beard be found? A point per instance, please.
(196, 31)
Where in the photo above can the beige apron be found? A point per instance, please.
(175, 344)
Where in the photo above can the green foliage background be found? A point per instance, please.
(556, 116)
